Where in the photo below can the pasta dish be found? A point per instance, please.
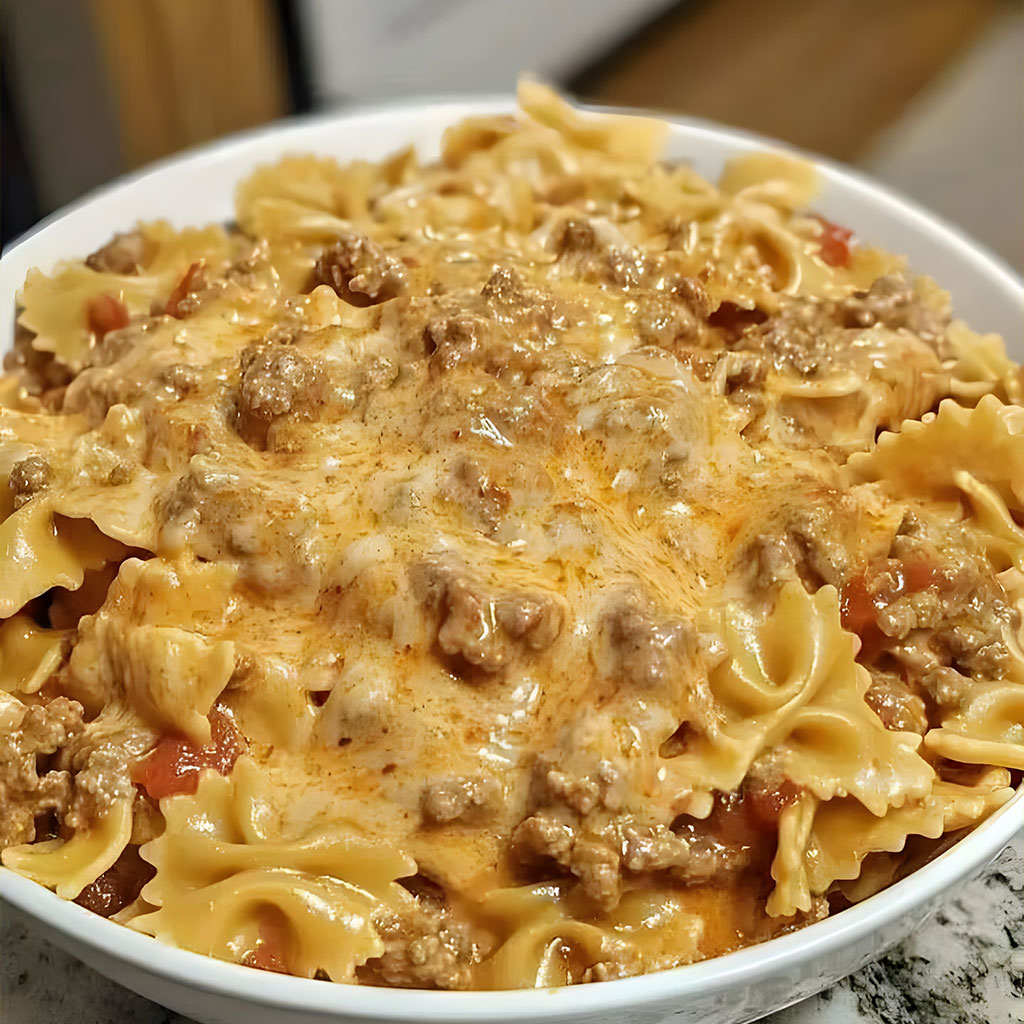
(535, 566)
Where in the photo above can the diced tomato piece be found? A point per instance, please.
(856, 606)
(918, 574)
(862, 598)
(117, 886)
(174, 764)
(189, 283)
(265, 958)
(835, 243)
(105, 313)
(742, 818)
(271, 950)
(764, 804)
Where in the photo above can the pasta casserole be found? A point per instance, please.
(534, 566)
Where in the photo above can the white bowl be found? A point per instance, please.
(197, 188)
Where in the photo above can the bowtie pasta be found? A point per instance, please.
(536, 566)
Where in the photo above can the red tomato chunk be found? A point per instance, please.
(835, 243)
(189, 283)
(862, 598)
(271, 950)
(105, 313)
(118, 886)
(174, 764)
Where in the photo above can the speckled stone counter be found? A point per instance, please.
(965, 966)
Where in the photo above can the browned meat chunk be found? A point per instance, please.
(452, 340)
(578, 785)
(533, 620)
(180, 379)
(503, 330)
(477, 628)
(125, 253)
(662, 322)
(544, 837)
(504, 287)
(101, 778)
(597, 865)
(458, 798)
(360, 271)
(277, 381)
(652, 848)
(955, 598)
(575, 235)
(600, 858)
(576, 243)
(808, 549)
(892, 302)
(27, 788)
(484, 500)
(673, 317)
(28, 477)
(709, 860)
(896, 704)
(423, 948)
(594, 858)
(502, 339)
(580, 245)
(639, 649)
(800, 337)
(467, 627)
(975, 643)
(40, 373)
(693, 294)
(117, 886)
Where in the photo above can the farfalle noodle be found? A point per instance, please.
(216, 866)
(792, 690)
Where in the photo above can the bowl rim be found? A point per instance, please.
(744, 967)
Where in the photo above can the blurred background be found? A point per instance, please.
(926, 94)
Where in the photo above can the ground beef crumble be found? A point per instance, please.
(359, 271)
(28, 477)
(28, 788)
(895, 703)
(458, 798)
(276, 381)
(599, 857)
(639, 648)
(424, 947)
(892, 302)
(477, 626)
(126, 253)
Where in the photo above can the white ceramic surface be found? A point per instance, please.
(743, 986)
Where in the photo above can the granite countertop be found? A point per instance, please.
(965, 966)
